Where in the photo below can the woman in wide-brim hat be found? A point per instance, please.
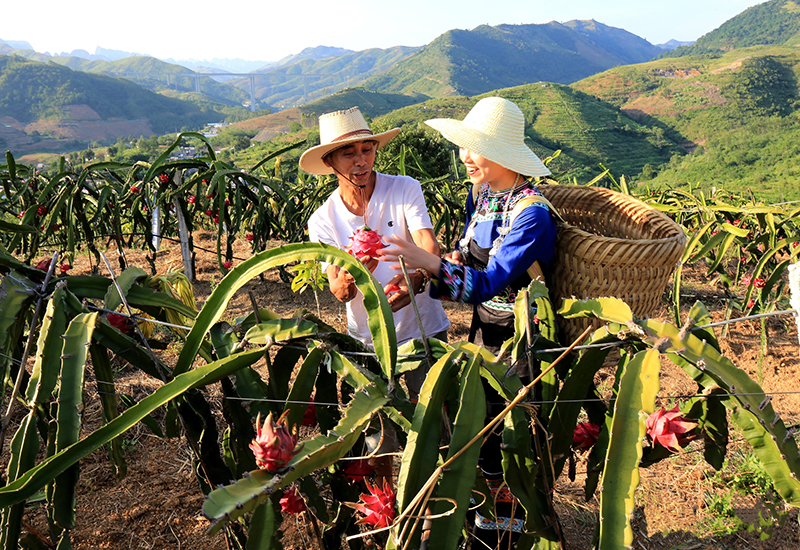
(510, 233)
(508, 240)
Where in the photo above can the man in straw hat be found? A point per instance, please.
(508, 241)
(386, 204)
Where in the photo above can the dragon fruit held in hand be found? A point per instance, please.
(274, 445)
(365, 242)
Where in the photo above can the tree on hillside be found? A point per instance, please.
(429, 149)
(762, 87)
(241, 142)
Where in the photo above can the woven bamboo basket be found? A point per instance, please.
(610, 245)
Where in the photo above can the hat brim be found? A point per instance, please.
(311, 161)
(514, 156)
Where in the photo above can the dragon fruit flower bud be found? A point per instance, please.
(669, 429)
(377, 507)
(274, 445)
(365, 242)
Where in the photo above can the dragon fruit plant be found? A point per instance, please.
(355, 392)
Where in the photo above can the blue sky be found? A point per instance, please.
(266, 31)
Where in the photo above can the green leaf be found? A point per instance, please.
(457, 481)
(36, 478)
(635, 400)
(74, 358)
(381, 322)
(125, 280)
(303, 386)
(279, 330)
(422, 450)
(22, 456)
(108, 400)
(264, 525)
(612, 310)
(44, 375)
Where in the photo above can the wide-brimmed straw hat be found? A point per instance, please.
(336, 130)
(494, 129)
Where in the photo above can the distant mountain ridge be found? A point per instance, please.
(146, 71)
(51, 99)
(16, 44)
(284, 86)
(776, 22)
(461, 62)
(672, 44)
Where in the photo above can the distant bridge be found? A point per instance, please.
(133, 75)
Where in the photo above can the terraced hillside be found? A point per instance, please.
(737, 113)
(587, 130)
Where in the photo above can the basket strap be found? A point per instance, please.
(528, 201)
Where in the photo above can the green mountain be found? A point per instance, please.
(371, 103)
(735, 114)
(587, 131)
(462, 62)
(56, 97)
(776, 22)
(285, 86)
(150, 73)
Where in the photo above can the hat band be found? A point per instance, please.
(362, 132)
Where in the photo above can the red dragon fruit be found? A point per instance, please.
(274, 445)
(669, 429)
(310, 416)
(585, 435)
(291, 501)
(357, 470)
(121, 322)
(365, 243)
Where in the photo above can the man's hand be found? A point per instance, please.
(342, 284)
(400, 296)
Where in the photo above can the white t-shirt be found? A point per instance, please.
(397, 206)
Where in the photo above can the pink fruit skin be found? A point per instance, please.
(274, 445)
(365, 242)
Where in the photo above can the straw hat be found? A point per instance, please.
(336, 130)
(494, 129)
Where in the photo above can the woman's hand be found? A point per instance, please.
(454, 257)
(413, 256)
